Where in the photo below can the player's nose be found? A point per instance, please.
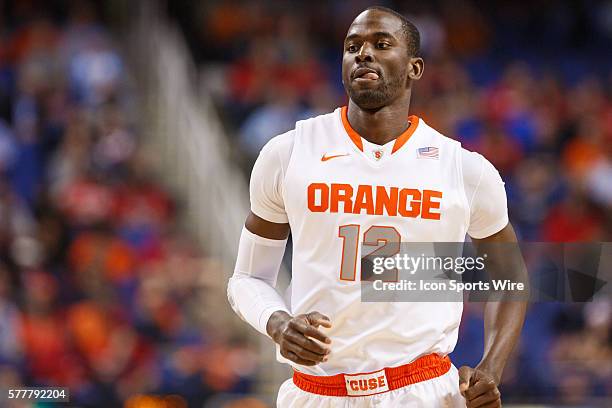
(364, 54)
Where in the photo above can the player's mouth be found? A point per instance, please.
(365, 75)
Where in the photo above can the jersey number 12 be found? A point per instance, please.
(385, 241)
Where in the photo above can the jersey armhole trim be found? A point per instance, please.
(482, 163)
(283, 170)
(491, 230)
(470, 200)
(459, 163)
(289, 161)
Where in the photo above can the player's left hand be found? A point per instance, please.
(479, 388)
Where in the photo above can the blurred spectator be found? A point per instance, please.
(10, 349)
(271, 119)
(99, 288)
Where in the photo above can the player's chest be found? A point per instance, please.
(348, 183)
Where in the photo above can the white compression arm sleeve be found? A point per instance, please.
(251, 290)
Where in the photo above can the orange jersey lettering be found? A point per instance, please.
(374, 200)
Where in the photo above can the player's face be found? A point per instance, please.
(375, 61)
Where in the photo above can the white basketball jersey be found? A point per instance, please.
(339, 191)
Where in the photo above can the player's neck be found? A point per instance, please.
(380, 126)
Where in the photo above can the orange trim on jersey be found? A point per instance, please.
(403, 138)
(422, 369)
(399, 142)
(350, 131)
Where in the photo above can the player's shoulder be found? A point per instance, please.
(315, 125)
(327, 117)
(473, 163)
(476, 167)
(435, 137)
(284, 142)
(280, 144)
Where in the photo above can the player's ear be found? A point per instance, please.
(415, 68)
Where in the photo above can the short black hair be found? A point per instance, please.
(413, 37)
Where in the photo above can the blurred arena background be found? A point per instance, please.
(127, 133)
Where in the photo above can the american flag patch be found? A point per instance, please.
(428, 153)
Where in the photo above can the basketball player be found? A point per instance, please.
(369, 172)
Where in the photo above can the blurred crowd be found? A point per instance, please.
(101, 291)
(529, 86)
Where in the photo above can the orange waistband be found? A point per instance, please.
(422, 369)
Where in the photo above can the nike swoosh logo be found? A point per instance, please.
(326, 158)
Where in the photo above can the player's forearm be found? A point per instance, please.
(503, 323)
(251, 290)
(254, 300)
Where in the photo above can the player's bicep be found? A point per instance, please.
(504, 260)
(265, 228)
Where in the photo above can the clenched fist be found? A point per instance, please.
(295, 336)
(479, 388)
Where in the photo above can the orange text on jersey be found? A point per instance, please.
(374, 200)
(366, 385)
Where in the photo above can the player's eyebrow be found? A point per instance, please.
(383, 34)
(351, 37)
(375, 34)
